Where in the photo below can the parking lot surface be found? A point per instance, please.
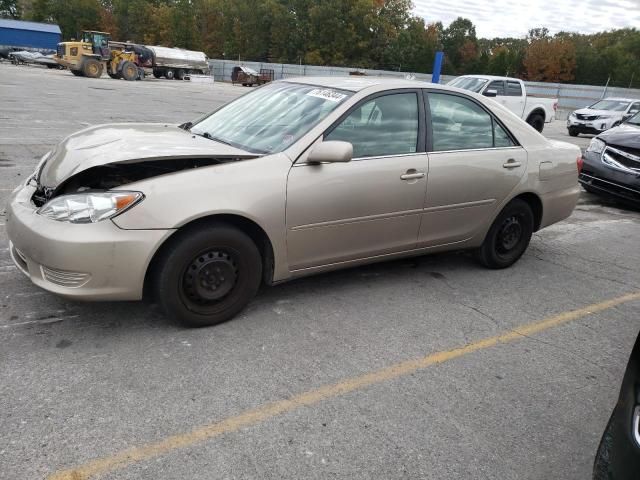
(429, 368)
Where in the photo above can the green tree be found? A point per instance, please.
(460, 46)
(9, 9)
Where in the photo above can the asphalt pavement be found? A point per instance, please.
(430, 368)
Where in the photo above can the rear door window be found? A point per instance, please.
(458, 123)
(514, 89)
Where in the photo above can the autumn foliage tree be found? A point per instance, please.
(550, 60)
(383, 34)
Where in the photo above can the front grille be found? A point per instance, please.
(581, 116)
(65, 278)
(632, 151)
(621, 160)
(61, 50)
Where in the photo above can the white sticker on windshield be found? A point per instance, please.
(327, 94)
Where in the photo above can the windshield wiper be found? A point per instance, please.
(208, 136)
(186, 126)
(215, 139)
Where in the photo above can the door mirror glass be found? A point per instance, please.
(491, 93)
(331, 151)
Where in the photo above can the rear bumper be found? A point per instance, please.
(559, 204)
(97, 261)
(599, 177)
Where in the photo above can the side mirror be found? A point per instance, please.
(490, 93)
(331, 151)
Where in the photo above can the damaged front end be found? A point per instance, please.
(106, 177)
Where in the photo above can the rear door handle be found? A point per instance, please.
(412, 175)
(511, 163)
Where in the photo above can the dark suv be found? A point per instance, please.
(611, 164)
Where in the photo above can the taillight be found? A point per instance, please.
(555, 106)
(580, 163)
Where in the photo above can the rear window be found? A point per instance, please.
(514, 89)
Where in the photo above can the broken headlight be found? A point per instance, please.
(90, 207)
(596, 146)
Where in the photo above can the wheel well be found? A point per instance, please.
(249, 227)
(537, 111)
(535, 204)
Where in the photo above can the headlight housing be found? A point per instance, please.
(603, 117)
(89, 207)
(596, 145)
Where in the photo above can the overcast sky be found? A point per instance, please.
(514, 18)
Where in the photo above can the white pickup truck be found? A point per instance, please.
(512, 93)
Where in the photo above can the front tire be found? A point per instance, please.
(208, 274)
(508, 237)
(129, 71)
(92, 68)
(573, 132)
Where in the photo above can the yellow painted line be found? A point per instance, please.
(252, 417)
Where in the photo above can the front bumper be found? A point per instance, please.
(597, 176)
(589, 126)
(96, 261)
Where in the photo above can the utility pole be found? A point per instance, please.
(605, 88)
(631, 81)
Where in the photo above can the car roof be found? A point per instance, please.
(491, 77)
(357, 83)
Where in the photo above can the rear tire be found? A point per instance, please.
(573, 132)
(129, 71)
(92, 68)
(157, 74)
(180, 73)
(169, 74)
(508, 237)
(208, 274)
(536, 121)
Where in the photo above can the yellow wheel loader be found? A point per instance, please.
(93, 54)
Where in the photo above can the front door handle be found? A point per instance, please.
(412, 175)
(511, 163)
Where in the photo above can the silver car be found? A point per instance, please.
(297, 177)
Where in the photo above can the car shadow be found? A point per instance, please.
(98, 318)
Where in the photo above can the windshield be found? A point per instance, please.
(271, 118)
(469, 83)
(614, 105)
(635, 120)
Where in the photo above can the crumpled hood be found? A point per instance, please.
(626, 135)
(589, 111)
(126, 142)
